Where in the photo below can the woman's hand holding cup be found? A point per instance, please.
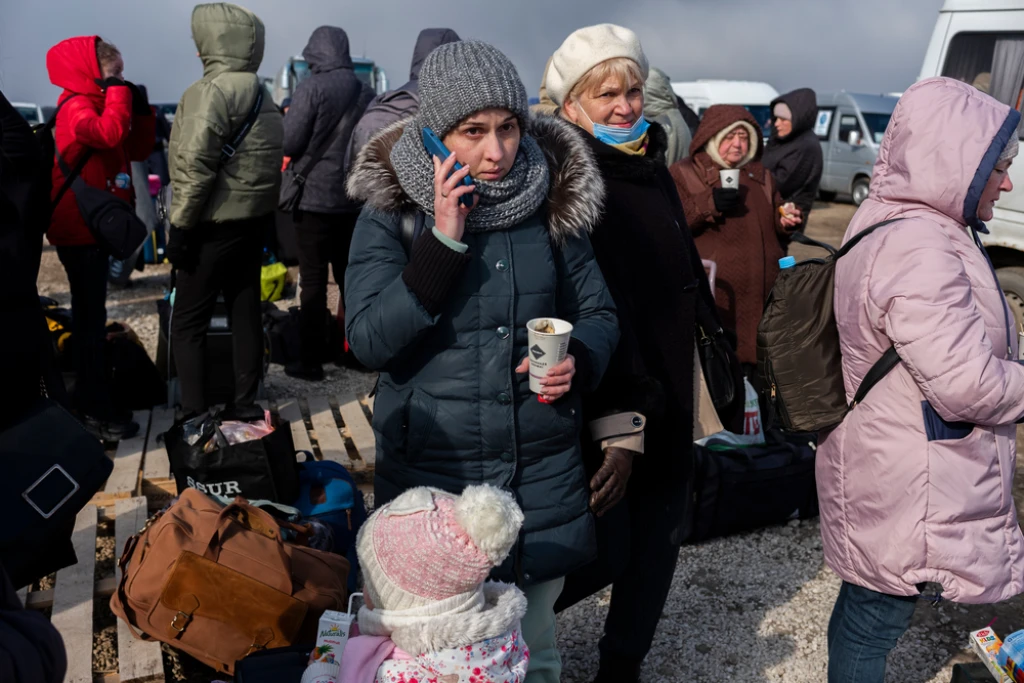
(449, 213)
(558, 381)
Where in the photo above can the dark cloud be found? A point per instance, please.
(871, 45)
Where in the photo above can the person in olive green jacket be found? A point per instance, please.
(222, 203)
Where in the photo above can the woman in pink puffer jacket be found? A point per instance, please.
(915, 484)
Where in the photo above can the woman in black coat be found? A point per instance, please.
(324, 111)
(793, 153)
(641, 417)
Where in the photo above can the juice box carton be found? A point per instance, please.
(986, 644)
(1011, 656)
(332, 636)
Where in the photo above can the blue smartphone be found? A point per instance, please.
(436, 147)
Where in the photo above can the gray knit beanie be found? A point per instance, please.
(459, 79)
(1010, 151)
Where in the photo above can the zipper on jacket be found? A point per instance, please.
(999, 288)
(348, 515)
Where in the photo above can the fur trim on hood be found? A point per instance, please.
(504, 606)
(575, 198)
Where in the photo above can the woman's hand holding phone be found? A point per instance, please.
(449, 214)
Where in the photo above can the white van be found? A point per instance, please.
(971, 37)
(850, 127)
(754, 95)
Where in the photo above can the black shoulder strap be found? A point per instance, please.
(845, 249)
(412, 227)
(878, 371)
(53, 119)
(229, 149)
(890, 359)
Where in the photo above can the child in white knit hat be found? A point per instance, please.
(429, 614)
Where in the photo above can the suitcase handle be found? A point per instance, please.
(258, 522)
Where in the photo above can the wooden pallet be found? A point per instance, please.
(75, 589)
(331, 427)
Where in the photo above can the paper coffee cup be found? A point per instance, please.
(546, 349)
(730, 178)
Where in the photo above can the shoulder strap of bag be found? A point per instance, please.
(845, 249)
(70, 175)
(229, 149)
(876, 374)
(890, 359)
(412, 227)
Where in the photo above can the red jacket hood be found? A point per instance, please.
(72, 65)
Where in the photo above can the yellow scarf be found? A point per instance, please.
(637, 147)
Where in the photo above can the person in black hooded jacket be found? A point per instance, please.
(328, 103)
(793, 153)
(402, 102)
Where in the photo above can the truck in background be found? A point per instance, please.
(755, 96)
(979, 42)
(850, 127)
(297, 70)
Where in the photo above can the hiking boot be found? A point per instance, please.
(117, 428)
(310, 373)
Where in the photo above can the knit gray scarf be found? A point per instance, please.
(503, 204)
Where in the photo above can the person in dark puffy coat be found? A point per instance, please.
(324, 110)
(102, 115)
(402, 102)
(444, 317)
(793, 152)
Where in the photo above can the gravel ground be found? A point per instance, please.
(750, 608)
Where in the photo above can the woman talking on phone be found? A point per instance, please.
(437, 297)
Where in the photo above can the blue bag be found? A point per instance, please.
(328, 493)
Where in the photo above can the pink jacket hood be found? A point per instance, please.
(915, 485)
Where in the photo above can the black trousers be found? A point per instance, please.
(86, 267)
(228, 261)
(324, 241)
(638, 548)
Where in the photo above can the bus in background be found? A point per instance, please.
(981, 42)
(297, 70)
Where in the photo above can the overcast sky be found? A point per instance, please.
(870, 46)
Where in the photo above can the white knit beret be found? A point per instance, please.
(585, 49)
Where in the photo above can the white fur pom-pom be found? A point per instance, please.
(492, 519)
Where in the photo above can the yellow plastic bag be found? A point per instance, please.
(272, 279)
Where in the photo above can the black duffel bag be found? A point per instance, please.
(262, 469)
(111, 220)
(739, 488)
(52, 467)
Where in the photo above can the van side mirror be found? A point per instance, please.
(854, 139)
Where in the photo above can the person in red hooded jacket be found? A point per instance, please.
(100, 114)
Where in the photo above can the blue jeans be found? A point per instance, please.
(864, 628)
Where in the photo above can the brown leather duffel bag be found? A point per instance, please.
(220, 583)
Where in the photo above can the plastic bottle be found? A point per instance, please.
(787, 262)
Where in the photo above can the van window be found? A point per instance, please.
(991, 62)
(877, 123)
(848, 123)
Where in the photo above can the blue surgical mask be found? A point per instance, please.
(612, 135)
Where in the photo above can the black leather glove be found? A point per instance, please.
(140, 102)
(111, 82)
(609, 484)
(726, 199)
(181, 249)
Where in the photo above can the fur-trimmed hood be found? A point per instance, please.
(575, 198)
(503, 607)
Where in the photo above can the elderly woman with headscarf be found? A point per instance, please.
(737, 227)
